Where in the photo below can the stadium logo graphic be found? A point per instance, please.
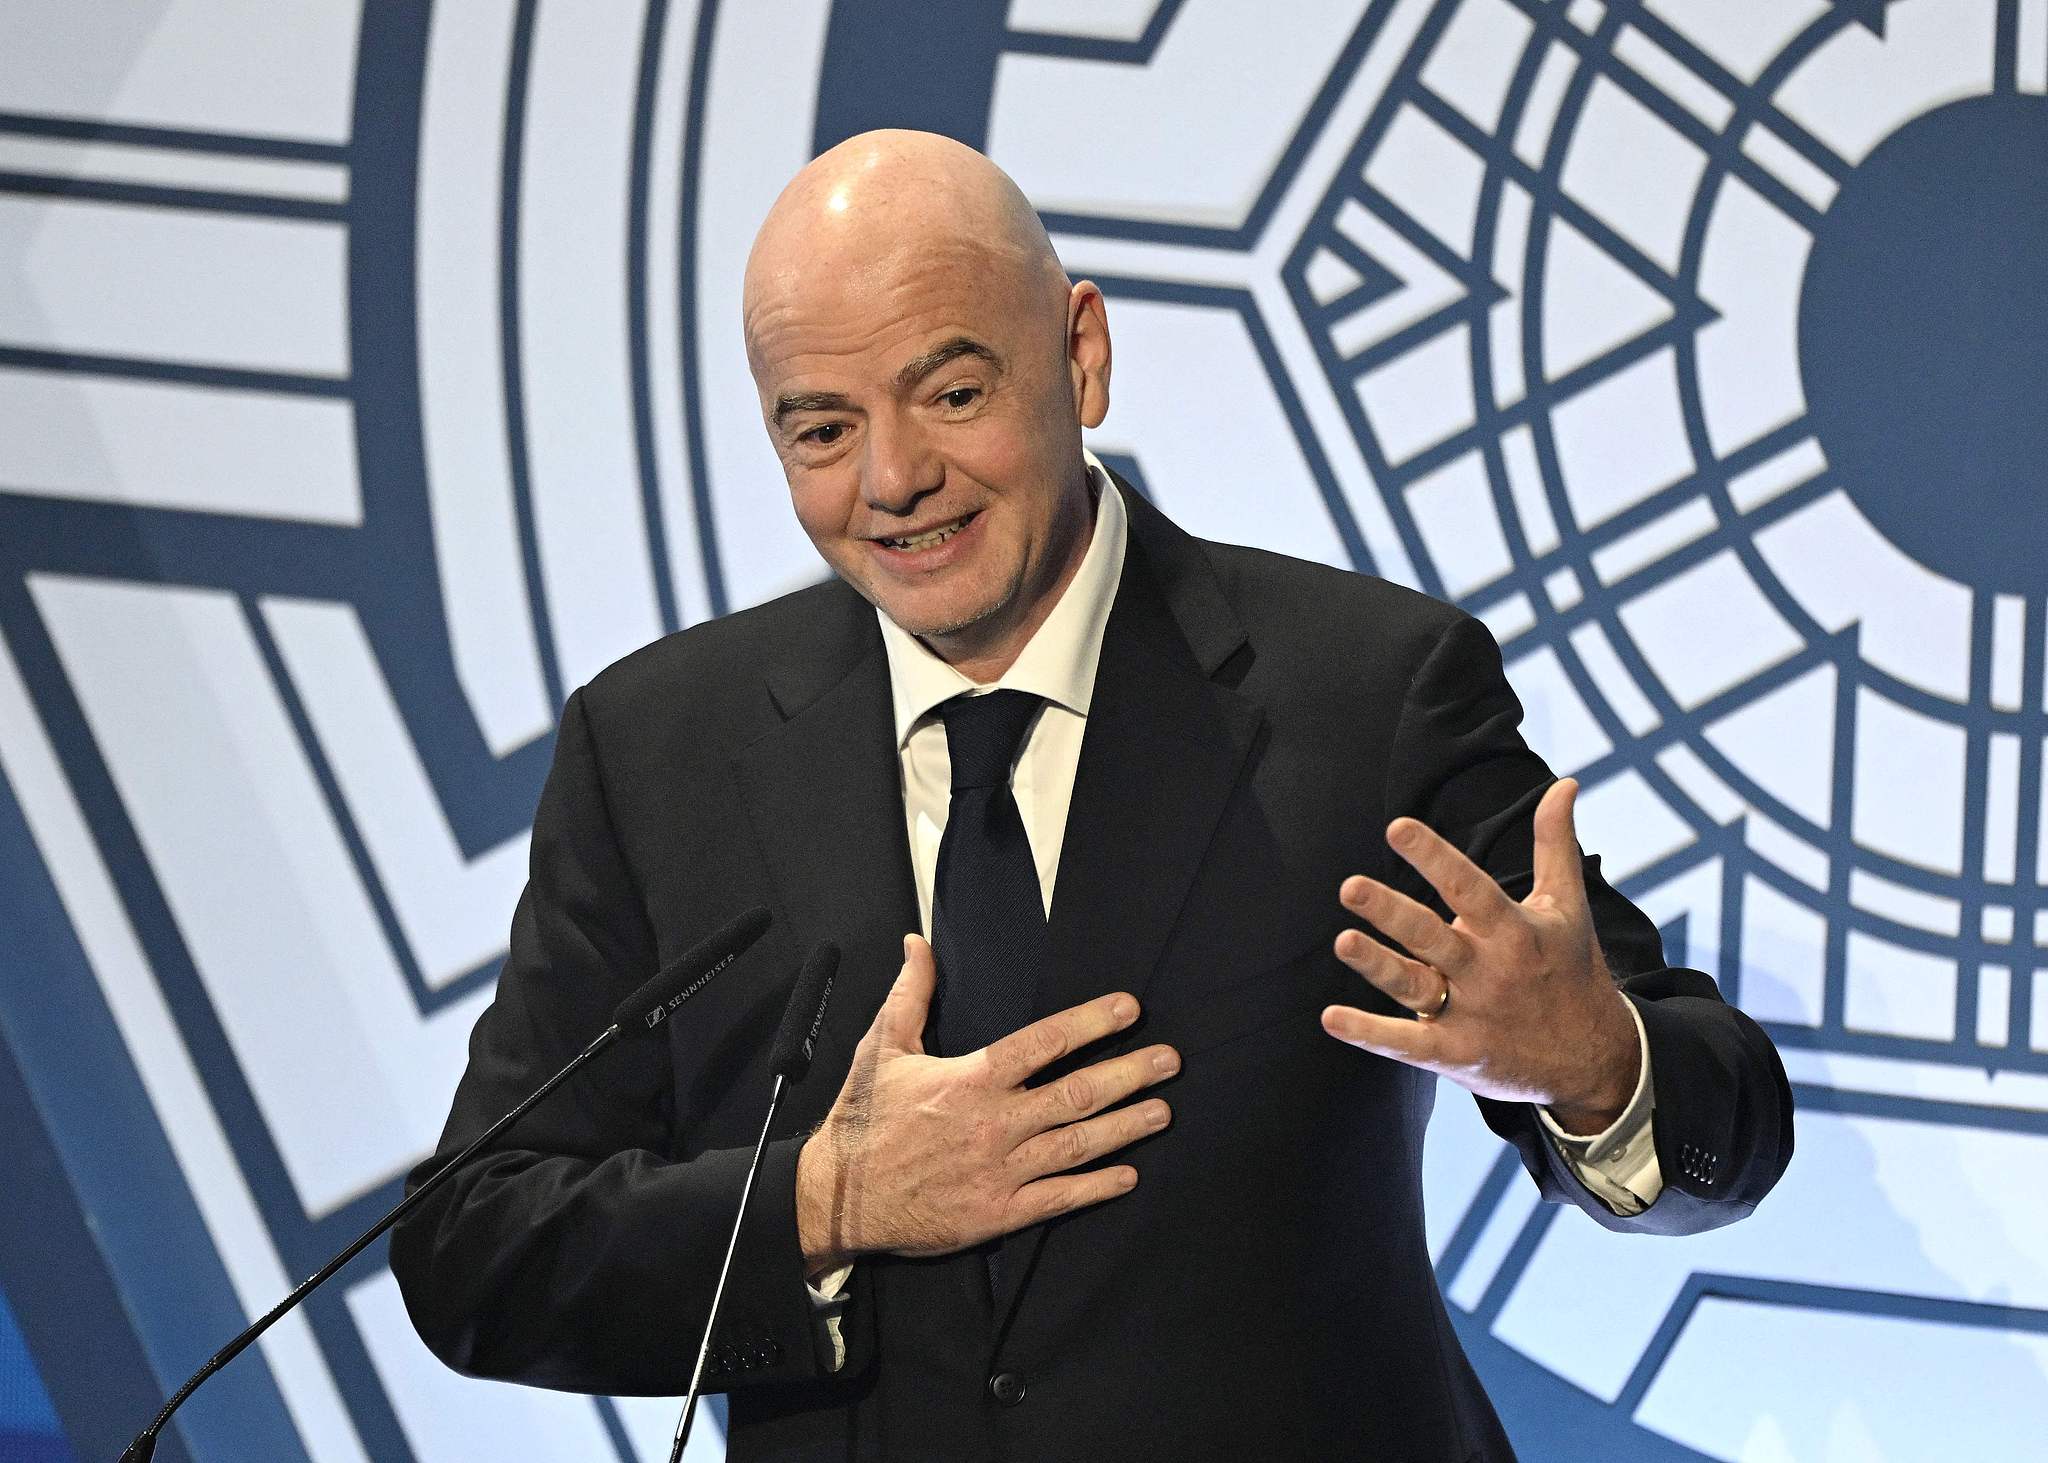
(1687, 343)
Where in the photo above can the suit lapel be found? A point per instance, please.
(825, 795)
(1162, 751)
(1165, 746)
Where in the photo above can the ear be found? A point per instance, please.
(1088, 352)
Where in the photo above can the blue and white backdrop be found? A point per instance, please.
(370, 376)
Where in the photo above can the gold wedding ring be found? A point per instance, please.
(1443, 1004)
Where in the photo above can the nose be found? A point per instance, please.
(900, 468)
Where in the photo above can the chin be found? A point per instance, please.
(928, 621)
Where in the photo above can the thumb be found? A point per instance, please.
(900, 1022)
(1560, 866)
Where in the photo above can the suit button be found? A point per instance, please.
(1007, 1388)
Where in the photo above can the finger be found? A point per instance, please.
(1078, 1143)
(900, 1022)
(1416, 926)
(1417, 986)
(1418, 1043)
(1049, 1198)
(1090, 1090)
(1469, 890)
(1025, 1051)
(1560, 865)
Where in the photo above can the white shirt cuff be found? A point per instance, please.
(1618, 1163)
(826, 1291)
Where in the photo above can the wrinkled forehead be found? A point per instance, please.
(840, 305)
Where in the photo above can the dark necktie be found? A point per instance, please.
(988, 918)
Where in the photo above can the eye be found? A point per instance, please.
(824, 435)
(961, 397)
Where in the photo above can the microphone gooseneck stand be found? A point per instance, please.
(788, 1059)
(644, 1010)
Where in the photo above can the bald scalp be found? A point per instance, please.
(894, 200)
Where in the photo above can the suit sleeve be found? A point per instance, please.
(577, 1252)
(1724, 1110)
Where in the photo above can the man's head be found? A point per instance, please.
(925, 370)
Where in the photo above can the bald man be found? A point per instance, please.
(1113, 1141)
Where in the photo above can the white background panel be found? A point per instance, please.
(136, 1004)
(1975, 1391)
(204, 449)
(1418, 399)
(257, 876)
(454, 910)
(757, 134)
(1246, 485)
(1622, 438)
(289, 72)
(265, 294)
(462, 373)
(253, 854)
(574, 362)
(1740, 34)
(1914, 623)
(1111, 20)
(1122, 151)
(1855, 91)
(119, 162)
(1934, 1210)
(1665, 623)
(1752, 263)
(1591, 302)
(1636, 174)
(1556, 722)
(1434, 178)
(1453, 508)
(1474, 60)
(688, 574)
(450, 1418)
(1785, 741)
(1908, 784)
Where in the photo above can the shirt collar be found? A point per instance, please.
(1058, 663)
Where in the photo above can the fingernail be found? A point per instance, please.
(1166, 1063)
(1124, 1009)
(1126, 1178)
(1159, 1114)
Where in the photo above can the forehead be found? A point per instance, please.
(865, 317)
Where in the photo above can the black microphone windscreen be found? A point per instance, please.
(804, 1017)
(689, 973)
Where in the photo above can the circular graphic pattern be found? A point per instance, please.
(1928, 370)
(1693, 345)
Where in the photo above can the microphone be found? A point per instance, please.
(690, 972)
(795, 1039)
(644, 1010)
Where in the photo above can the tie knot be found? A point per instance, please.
(983, 734)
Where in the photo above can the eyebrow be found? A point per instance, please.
(919, 367)
(914, 371)
(790, 403)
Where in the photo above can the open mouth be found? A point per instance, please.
(931, 538)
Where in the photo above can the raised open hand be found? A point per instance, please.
(925, 1155)
(1513, 1000)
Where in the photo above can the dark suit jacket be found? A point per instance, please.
(1265, 1291)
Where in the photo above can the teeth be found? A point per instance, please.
(927, 540)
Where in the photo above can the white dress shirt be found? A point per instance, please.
(1618, 1164)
